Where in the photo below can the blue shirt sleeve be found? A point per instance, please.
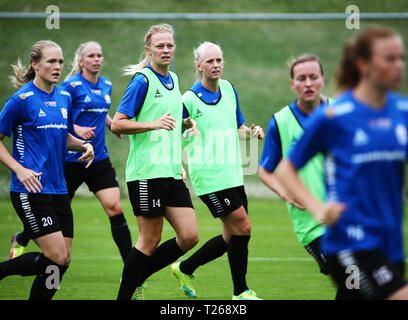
(272, 150)
(317, 130)
(134, 96)
(240, 117)
(185, 112)
(11, 115)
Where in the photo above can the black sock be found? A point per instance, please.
(238, 260)
(211, 250)
(28, 264)
(134, 273)
(44, 287)
(23, 238)
(164, 255)
(121, 235)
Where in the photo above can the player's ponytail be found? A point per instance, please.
(348, 74)
(22, 75)
(78, 56)
(131, 69)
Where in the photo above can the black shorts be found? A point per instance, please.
(363, 275)
(222, 203)
(149, 198)
(314, 250)
(43, 214)
(100, 175)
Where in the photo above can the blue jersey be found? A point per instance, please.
(272, 151)
(136, 91)
(365, 150)
(90, 106)
(39, 122)
(211, 97)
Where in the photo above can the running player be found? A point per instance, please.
(284, 129)
(364, 140)
(151, 114)
(38, 115)
(91, 101)
(215, 169)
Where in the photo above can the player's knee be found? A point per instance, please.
(148, 244)
(113, 208)
(188, 241)
(245, 227)
(58, 256)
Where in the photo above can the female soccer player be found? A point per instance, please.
(151, 114)
(90, 95)
(364, 140)
(284, 129)
(38, 115)
(215, 168)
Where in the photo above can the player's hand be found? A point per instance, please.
(330, 213)
(183, 174)
(257, 132)
(29, 179)
(85, 133)
(87, 154)
(165, 122)
(192, 127)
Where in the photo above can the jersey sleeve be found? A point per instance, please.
(185, 112)
(240, 117)
(314, 140)
(11, 115)
(272, 150)
(134, 96)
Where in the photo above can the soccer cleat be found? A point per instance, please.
(246, 295)
(139, 292)
(184, 280)
(17, 249)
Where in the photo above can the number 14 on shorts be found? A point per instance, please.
(156, 203)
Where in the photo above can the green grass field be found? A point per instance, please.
(279, 267)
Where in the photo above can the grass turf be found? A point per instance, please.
(279, 268)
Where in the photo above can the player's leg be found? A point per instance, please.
(110, 200)
(238, 226)
(101, 180)
(138, 262)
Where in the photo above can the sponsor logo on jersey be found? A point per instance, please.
(75, 83)
(26, 94)
(41, 113)
(96, 91)
(158, 94)
(198, 113)
(381, 123)
(64, 113)
(360, 138)
(339, 109)
(401, 133)
(50, 103)
(402, 105)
